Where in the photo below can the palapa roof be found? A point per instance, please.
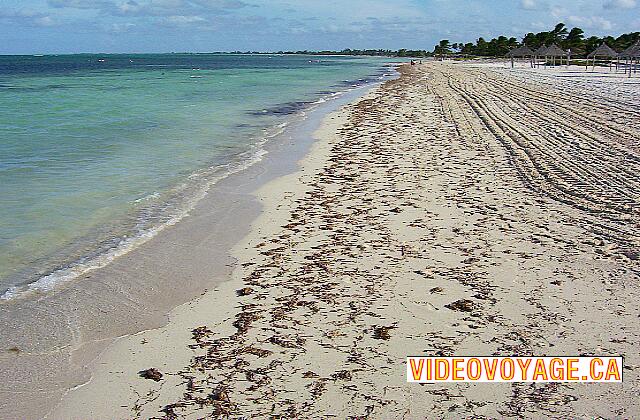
(632, 52)
(603, 51)
(554, 51)
(540, 51)
(520, 52)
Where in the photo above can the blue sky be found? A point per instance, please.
(69, 26)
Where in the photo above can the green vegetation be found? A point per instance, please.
(372, 53)
(377, 53)
(573, 39)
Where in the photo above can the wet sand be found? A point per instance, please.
(515, 194)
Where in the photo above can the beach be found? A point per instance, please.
(460, 209)
(61, 310)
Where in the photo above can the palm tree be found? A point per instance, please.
(559, 32)
(575, 41)
(444, 47)
(482, 46)
(468, 49)
(592, 43)
(530, 40)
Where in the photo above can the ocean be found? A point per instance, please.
(100, 152)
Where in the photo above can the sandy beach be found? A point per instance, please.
(458, 210)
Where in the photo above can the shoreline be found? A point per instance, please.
(425, 220)
(180, 199)
(165, 347)
(85, 334)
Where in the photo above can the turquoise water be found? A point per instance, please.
(97, 151)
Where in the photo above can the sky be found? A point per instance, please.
(75, 26)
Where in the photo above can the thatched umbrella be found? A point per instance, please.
(554, 51)
(632, 51)
(630, 55)
(520, 52)
(540, 52)
(602, 51)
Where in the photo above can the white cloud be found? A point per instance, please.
(19, 14)
(79, 4)
(129, 7)
(44, 21)
(28, 17)
(557, 12)
(528, 4)
(349, 11)
(221, 4)
(119, 28)
(591, 22)
(150, 7)
(167, 4)
(620, 4)
(184, 20)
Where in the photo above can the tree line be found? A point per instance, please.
(573, 39)
(375, 53)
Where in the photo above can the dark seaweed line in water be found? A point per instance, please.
(283, 109)
(289, 108)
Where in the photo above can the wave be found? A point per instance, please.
(126, 244)
(187, 195)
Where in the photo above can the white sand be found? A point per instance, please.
(518, 193)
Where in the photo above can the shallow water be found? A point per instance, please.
(97, 151)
